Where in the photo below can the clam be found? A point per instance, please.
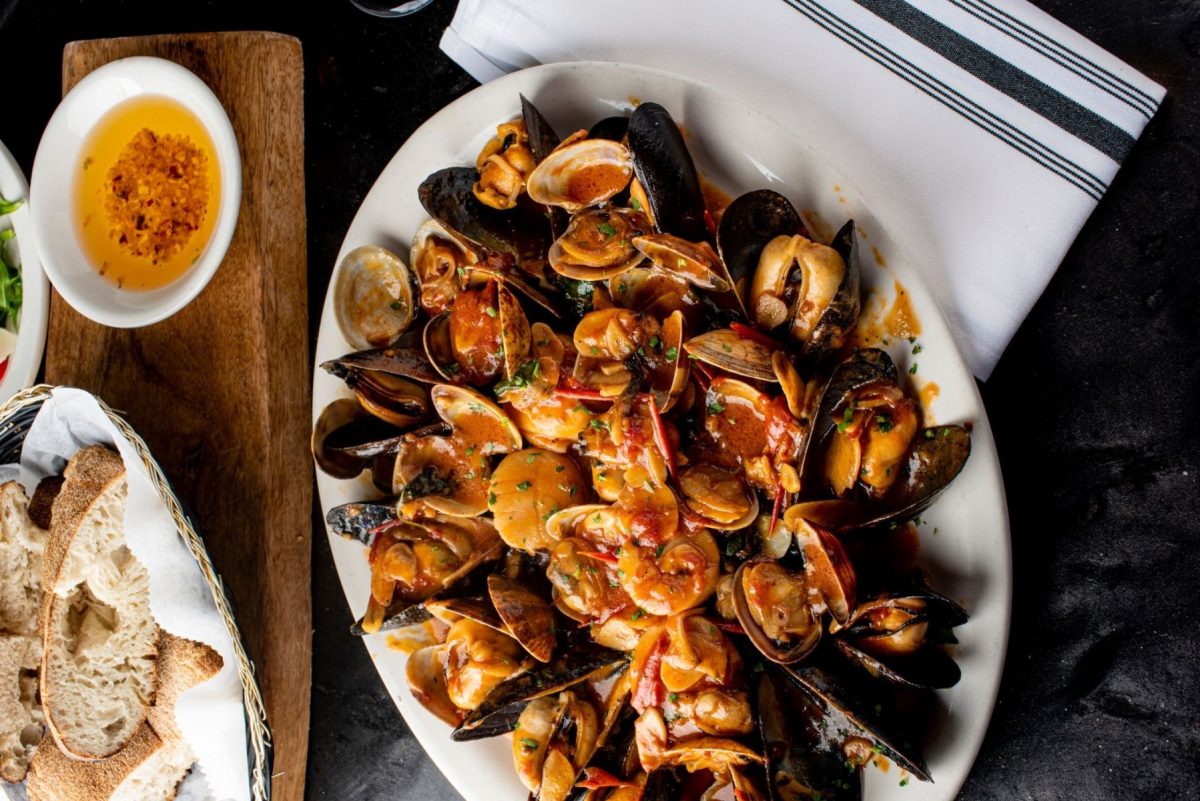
(440, 261)
(372, 297)
(479, 658)
(581, 175)
(666, 173)
(721, 498)
(553, 740)
(736, 419)
(694, 262)
(451, 474)
(828, 568)
(775, 608)
(727, 350)
(668, 363)
(598, 244)
(426, 674)
(414, 562)
(657, 293)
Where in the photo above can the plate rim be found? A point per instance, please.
(982, 435)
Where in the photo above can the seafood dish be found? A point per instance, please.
(642, 489)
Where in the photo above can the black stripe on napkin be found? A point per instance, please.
(1103, 79)
(952, 99)
(1022, 87)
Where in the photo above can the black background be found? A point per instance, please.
(1093, 405)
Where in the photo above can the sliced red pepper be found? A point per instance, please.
(660, 437)
(738, 795)
(600, 556)
(710, 223)
(597, 778)
(648, 690)
(754, 335)
(380, 543)
(731, 627)
(777, 508)
(383, 527)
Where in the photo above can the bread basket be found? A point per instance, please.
(16, 416)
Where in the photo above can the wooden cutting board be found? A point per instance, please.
(221, 390)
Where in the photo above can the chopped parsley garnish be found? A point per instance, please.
(715, 407)
(490, 311)
(397, 305)
(847, 419)
(491, 499)
(529, 744)
(522, 378)
(913, 370)
(672, 353)
(607, 229)
(524, 485)
(638, 615)
(655, 342)
(634, 204)
(917, 349)
(659, 551)
(558, 468)
(883, 422)
(598, 424)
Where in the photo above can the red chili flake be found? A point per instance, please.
(598, 778)
(754, 335)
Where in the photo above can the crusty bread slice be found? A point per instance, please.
(152, 765)
(98, 635)
(21, 547)
(21, 726)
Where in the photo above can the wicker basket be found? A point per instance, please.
(16, 416)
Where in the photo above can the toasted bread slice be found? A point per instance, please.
(156, 760)
(99, 638)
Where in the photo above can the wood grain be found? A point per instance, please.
(221, 390)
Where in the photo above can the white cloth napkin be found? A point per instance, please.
(211, 716)
(983, 132)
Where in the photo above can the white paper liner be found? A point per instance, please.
(210, 716)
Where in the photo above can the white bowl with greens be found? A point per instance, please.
(24, 292)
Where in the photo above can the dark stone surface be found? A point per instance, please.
(1093, 405)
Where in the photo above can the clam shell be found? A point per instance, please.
(372, 297)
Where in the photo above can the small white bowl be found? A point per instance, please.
(52, 193)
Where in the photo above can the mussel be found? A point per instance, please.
(666, 173)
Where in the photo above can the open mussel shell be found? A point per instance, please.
(435, 338)
(834, 514)
(357, 520)
(502, 706)
(750, 222)
(542, 137)
(868, 367)
(347, 438)
(937, 457)
(852, 704)
(398, 615)
(394, 400)
(841, 315)
(726, 350)
(522, 233)
(666, 173)
(372, 297)
(613, 128)
(406, 362)
(664, 784)
(799, 644)
(804, 753)
(927, 668)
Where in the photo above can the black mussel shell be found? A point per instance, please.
(398, 615)
(542, 137)
(356, 521)
(664, 784)
(927, 668)
(853, 704)
(522, 233)
(573, 667)
(665, 169)
(405, 362)
(801, 748)
(841, 316)
(613, 752)
(937, 457)
(613, 128)
(748, 224)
